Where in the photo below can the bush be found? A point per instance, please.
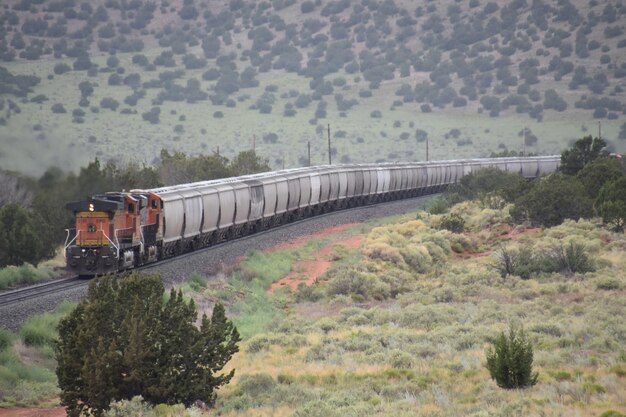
(58, 108)
(552, 200)
(523, 262)
(109, 103)
(611, 203)
(510, 360)
(307, 6)
(61, 68)
(40, 331)
(111, 334)
(6, 339)
(24, 274)
(453, 223)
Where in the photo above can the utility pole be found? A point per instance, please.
(426, 148)
(524, 142)
(308, 144)
(599, 129)
(254, 143)
(330, 161)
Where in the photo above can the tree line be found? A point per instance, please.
(33, 217)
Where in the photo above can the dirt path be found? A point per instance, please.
(307, 272)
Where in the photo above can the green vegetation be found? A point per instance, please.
(33, 217)
(123, 341)
(403, 321)
(510, 360)
(27, 362)
(12, 276)
(124, 81)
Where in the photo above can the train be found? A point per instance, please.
(117, 231)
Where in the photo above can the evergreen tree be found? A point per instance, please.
(510, 360)
(552, 200)
(20, 239)
(611, 203)
(122, 341)
(248, 162)
(581, 153)
(598, 172)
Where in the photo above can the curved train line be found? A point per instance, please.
(122, 230)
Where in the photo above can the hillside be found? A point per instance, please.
(394, 319)
(122, 79)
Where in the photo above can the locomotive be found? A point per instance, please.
(117, 231)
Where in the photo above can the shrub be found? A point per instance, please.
(40, 330)
(102, 341)
(571, 259)
(510, 360)
(611, 203)
(109, 103)
(307, 6)
(24, 274)
(61, 68)
(453, 222)
(552, 200)
(522, 262)
(6, 339)
(58, 108)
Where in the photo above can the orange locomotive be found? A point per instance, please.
(114, 232)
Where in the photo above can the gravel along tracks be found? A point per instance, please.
(174, 271)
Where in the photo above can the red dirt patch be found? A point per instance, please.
(307, 272)
(302, 240)
(33, 412)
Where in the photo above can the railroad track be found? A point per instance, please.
(38, 290)
(35, 291)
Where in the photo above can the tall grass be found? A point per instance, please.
(27, 364)
(12, 276)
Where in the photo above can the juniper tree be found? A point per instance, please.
(123, 340)
(510, 360)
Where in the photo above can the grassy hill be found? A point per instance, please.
(399, 322)
(123, 79)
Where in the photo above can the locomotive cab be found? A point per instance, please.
(92, 250)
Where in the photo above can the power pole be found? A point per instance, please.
(308, 144)
(330, 161)
(426, 148)
(599, 129)
(524, 143)
(254, 143)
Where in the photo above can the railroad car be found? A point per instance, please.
(122, 230)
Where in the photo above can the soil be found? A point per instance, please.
(307, 272)
(295, 243)
(33, 412)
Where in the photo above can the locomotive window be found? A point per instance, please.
(91, 228)
(131, 208)
(155, 204)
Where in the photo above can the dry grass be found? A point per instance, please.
(424, 349)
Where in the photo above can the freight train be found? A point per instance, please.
(117, 231)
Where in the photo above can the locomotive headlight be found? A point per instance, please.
(91, 207)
